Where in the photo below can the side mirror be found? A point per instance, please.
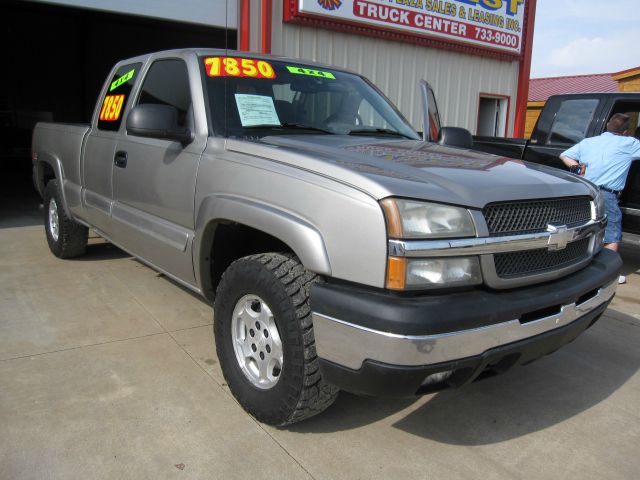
(456, 137)
(157, 121)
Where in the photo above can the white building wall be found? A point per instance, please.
(395, 67)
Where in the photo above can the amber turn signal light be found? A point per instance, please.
(396, 273)
(394, 220)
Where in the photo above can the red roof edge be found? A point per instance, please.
(540, 89)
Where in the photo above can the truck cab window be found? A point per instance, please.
(167, 83)
(631, 196)
(117, 96)
(630, 108)
(572, 121)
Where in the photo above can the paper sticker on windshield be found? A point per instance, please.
(123, 79)
(238, 67)
(111, 108)
(256, 110)
(309, 71)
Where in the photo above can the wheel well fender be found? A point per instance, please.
(269, 226)
(49, 167)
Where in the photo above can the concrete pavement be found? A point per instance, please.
(108, 370)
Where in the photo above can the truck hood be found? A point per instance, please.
(416, 169)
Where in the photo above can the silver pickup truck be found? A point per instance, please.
(339, 250)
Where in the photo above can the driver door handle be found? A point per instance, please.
(120, 159)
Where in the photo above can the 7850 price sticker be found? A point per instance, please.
(238, 67)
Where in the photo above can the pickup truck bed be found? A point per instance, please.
(507, 147)
(63, 140)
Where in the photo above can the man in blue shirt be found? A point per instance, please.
(606, 160)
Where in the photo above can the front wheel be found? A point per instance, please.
(264, 338)
(66, 238)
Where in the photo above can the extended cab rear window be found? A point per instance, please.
(117, 96)
(572, 120)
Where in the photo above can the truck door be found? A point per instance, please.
(154, 178)
(97, 163)
(564, 122)
(630, 200)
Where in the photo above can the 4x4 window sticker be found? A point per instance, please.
(311, 72)
(122, 80)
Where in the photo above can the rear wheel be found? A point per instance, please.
(264, 338)
(66, 238)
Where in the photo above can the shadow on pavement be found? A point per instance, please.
(525, 400)
(351, 411)
(101, 250)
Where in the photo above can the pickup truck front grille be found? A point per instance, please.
(531, 262)
(531, 216)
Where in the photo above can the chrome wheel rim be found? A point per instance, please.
(256, 342)
(54, 225)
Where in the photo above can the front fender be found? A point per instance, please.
(301, 236)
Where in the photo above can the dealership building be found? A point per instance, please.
(475, 54)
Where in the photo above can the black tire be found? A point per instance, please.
(70, 239)
(283, 284)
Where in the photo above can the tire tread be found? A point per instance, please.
(73, 237)
(315, 395)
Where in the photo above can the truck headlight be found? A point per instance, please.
(414, 219)
(598, 205)
(415, 273)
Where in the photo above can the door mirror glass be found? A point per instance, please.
(456, 137)
(157, 121)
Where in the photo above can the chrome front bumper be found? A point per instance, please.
(349, 345)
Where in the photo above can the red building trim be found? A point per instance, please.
(267, 14)
(524, 71)
(245, 25)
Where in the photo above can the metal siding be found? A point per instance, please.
(458, 79)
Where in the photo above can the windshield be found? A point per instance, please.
(251, 97)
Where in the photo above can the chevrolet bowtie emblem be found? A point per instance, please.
(559, 236)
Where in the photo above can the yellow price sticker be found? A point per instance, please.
(111, 108)
(238, 67)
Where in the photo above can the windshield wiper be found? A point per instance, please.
(302, 126)
(378, 131)
(291, 126)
